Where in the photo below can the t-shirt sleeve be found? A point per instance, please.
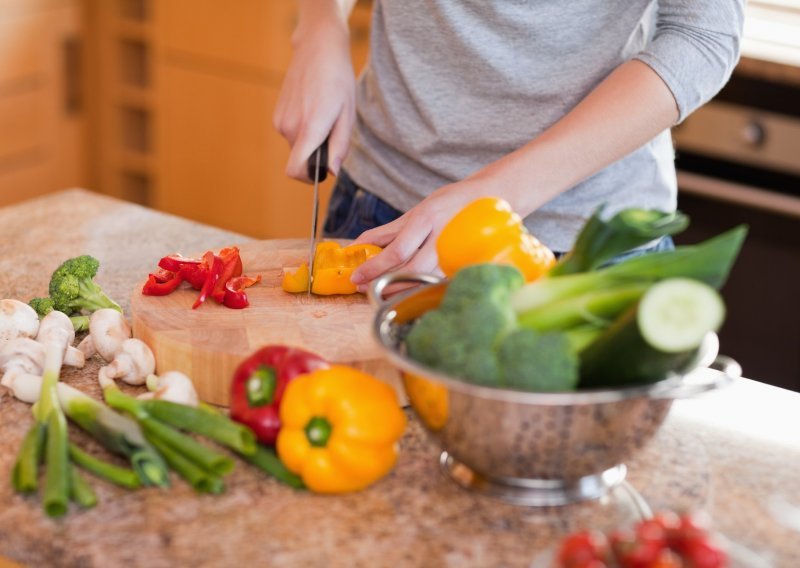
(695, 48)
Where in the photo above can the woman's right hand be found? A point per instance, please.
(317, 97)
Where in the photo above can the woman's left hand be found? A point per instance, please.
(410, 240)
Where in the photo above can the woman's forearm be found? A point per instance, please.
(626, 110)
(312, 13)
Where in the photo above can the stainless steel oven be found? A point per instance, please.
(738, 161)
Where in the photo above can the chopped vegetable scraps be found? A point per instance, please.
(333, 267)
(218, 276)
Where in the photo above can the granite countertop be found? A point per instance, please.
(734, 453)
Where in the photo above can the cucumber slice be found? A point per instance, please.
(675, 314)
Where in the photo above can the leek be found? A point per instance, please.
(80, 491)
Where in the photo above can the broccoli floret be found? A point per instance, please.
(73, 289)
(482, 282)
(461, 336)
(474, 335)
(536, 361)
(44, 306)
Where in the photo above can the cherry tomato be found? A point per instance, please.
(668, 559)
(652, 531)
(578, 550)
(631, 552)
(702, 553)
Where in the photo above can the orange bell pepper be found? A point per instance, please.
(339, 429)
(333, 266)
(488, 230)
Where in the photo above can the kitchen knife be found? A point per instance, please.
(317, 171)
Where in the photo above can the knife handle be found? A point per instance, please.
(323, 162)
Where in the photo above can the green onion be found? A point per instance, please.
(201, 480)
(209, 424)
(118, 475)
(116, 433)
(80, 491)
(25, 476)
(56, 481)
(202, 456)
(266, 460)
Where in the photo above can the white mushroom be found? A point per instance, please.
(23, 353)
(56, 334)
(86, 346)
(24, 386)
(17, 319)
(108, 329)
(173, 386)
(133, 363)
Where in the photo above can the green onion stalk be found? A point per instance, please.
(207, 421)
(199, 465)
(118, 434)
(47, 437)
(121, 476)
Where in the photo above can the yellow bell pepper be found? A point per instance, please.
(339, 429)
(333, 267)
(488, 230)
(430, 400)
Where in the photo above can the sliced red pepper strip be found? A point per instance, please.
(174, 262)
(163, 275)
(194, 274)
(232, 267)
(214, 264)
(235, 296)
(156, 287)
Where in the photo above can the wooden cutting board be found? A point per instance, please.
(208, 343)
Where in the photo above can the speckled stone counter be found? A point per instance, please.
(735, 453)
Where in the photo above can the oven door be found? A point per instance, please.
(740, 163)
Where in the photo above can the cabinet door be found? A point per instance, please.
(41, 132)
(220, 160)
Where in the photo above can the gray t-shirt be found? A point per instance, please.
(453, 85)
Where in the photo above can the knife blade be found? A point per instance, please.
(317, 171)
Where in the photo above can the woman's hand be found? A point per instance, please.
(317, 97)
(410, 240)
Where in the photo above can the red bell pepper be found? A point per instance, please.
(174, 262)
(161, 283)
(235, 296)
(214, 267)
(231, 268)
(259, 383)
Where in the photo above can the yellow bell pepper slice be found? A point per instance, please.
(339, 429)
(333, 267)
(488, 230)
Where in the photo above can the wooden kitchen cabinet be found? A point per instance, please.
(219, 72)
(41, 123)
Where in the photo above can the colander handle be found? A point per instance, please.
(721, 373)
(379, 285)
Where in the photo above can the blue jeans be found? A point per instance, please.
(352, 210)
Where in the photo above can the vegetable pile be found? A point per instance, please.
(218, 276)
(584, 323)
(337, 426)
(668, 540)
